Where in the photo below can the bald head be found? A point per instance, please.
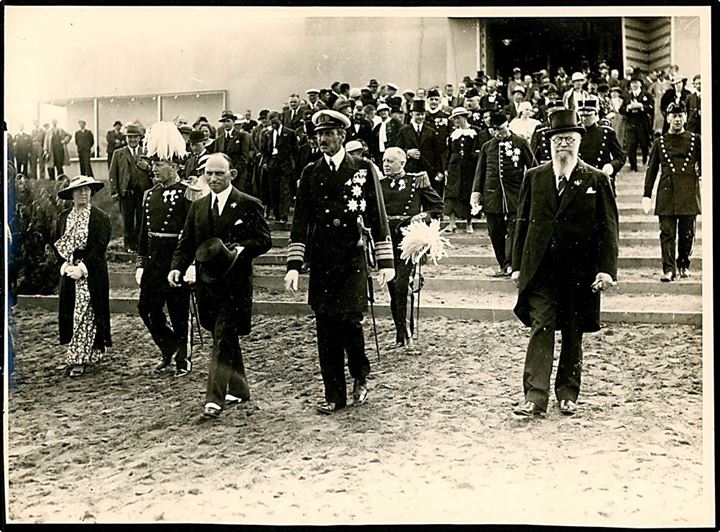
(219, 172)
(394, 162)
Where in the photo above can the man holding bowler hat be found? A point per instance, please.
(224, 231)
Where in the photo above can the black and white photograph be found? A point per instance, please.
(272, 265)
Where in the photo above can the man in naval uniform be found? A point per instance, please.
(540, 143)
(599, 146)
(676, 157)
(408, 197)
(338, 201)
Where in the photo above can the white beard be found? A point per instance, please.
(564, 163)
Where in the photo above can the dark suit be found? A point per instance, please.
(692, 103)
(360, 130)
(561, 244)
(392, 130)
(510, 110)
(115, 140)
(225, 307)
(638, 125)
(280, 155)
(129, 182)
(235, 145)
(430, 160)
(84, 140)
(23, 149)
(327, 208)
(293, 120)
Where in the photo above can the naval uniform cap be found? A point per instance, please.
(329, 119)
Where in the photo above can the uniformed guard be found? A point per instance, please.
(600, 146)
(164, 211)
(496, 188)
(408, 197)
(338, 208)
(540, 142)
(676, 156)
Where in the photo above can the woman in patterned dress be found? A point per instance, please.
(82, 236)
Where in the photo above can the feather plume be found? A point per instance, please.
(420, 240)
(164, 141)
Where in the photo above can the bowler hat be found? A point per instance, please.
(117, 123)
(196, 136)
(433, 93)
(498, 118)
(418, 106)
(677, 78)
(675, 108)
(373, 83)
(459, 111)
(131, 130)
(562, 121)
(328, 119)
(215, 259)
(263, 114)
(78, 182)
(227, 114)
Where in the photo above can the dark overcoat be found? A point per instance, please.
(582, 223)
(95, 260)
(429, 146)
(241, 223)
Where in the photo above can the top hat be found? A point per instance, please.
(78, 182)
(227, 114)
(636, 76)
(498, 118)
(433, 93)
(562, 121)
(459, 111)
(131, 130)
(196, 136)
(328, 119)
(215, 259)
(418, 106)
(675, 108)
(591, 104)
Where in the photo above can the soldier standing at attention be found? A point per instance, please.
(338, 196)
(676, 156)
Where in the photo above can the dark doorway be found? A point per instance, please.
(536, 43)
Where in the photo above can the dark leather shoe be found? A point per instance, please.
(528, 409)
(667, 277)
(360, 391)
(500, 273)
(163, 365)
(328, 407)
(568, 407)
(684, 273)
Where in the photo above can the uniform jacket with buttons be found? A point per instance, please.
(540, 143)
(581, 226)
(441, 123)
(676, 158)
(600, 146)
(325, 229)
(500, 170)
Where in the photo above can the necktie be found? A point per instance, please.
(562, 182)
(332, 165)
(216, 208)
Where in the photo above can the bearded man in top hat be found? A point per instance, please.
(338, 206)
(500, 169)
(129, 179)
(565, 253)
(421, 144)
(224, 231)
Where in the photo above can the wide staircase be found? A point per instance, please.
(462, 285)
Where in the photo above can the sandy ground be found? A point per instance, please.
(435, 443)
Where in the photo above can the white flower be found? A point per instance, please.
(356, 191)
(362, 205)
(401, 184)
(352, 205)
(233, 204)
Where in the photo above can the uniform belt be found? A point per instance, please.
(164, 235)
(399, 217)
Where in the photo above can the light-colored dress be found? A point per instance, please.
(524, 127)
(80, 349)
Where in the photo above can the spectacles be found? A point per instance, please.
(568, 140)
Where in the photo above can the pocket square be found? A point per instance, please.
(591, 190)
(239, 221)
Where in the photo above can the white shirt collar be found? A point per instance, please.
(222, 198)
(337, 158)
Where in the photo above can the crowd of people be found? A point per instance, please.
(538, 156)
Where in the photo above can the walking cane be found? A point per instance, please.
(419, 289)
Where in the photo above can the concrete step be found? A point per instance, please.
(624, 309)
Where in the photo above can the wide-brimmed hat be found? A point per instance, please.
(79, 182)
(459, 111)
(418, 106)
(578, 76)
(562, 121)
(382, 107)
(131, 130)
(329, 119)
(196, 136)
(215, 259)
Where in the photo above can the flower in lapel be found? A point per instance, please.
(233, 204)
(577, 182)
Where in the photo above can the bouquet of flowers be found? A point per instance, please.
(421, 240)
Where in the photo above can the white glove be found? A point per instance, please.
(385, 275)
(603, 281)
(189, 276)
(291, 280)
(608, 169)
(646, 205)
(174, 278)
(515, 276)
(138, 275)
(74, 272)
(475, 206)
(420, 217)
